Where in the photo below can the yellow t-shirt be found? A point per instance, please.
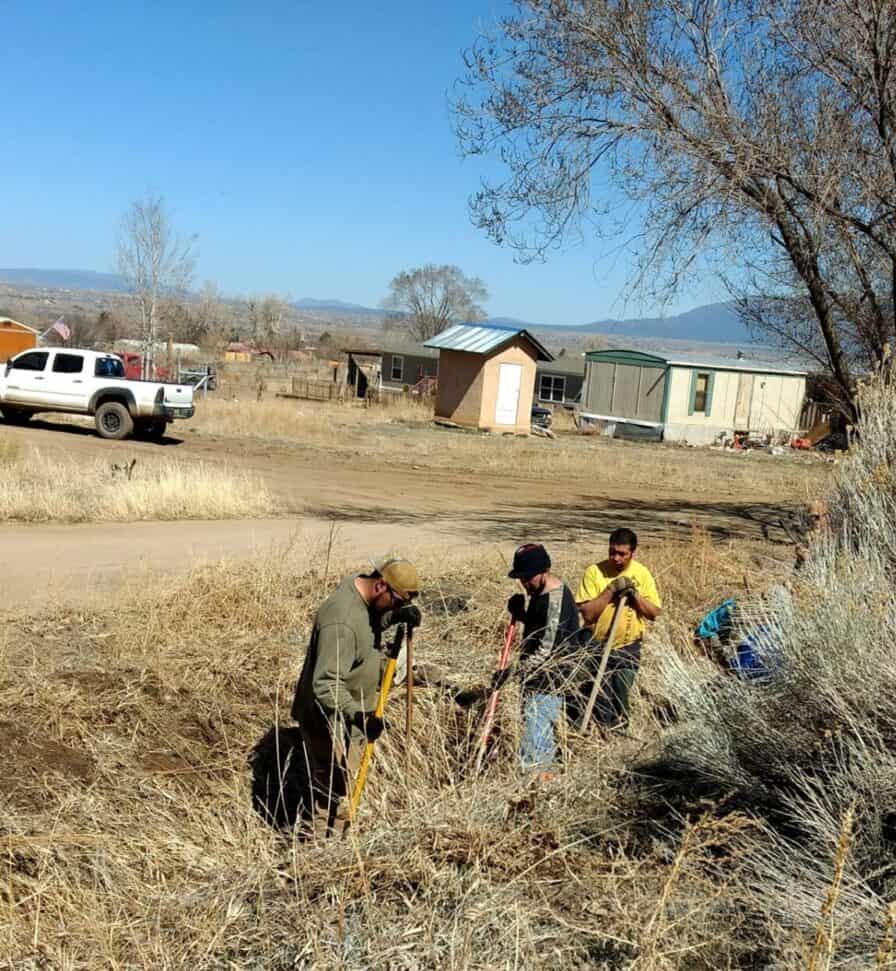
(632, 624)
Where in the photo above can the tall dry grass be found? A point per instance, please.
(129, 841)
(34, 488)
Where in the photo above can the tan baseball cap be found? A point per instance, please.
(401, 575)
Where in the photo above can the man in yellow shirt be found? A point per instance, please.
(599, 596)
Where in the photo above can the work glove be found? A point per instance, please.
(466, 697)
(409, 615)
(622, 585)
(500, 678)
(516, 607)
(393, 648)
(370, 724)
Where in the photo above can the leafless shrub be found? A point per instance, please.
(817, 743)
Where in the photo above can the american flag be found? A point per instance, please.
(62, 329)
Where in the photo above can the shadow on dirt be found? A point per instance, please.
(81, 431)
(582, 516)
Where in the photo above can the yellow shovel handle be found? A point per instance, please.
(367, 758)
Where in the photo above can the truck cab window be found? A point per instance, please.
(34, 361)
(68, 364)
(109, 367)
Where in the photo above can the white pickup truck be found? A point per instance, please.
(90, 383)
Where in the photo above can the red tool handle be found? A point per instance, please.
(493, 700)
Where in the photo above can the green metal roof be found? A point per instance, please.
(708, 362)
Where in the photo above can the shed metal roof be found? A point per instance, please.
(484, 339)
(711, 362)
(9, 324)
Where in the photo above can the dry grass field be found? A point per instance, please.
(734, 826)
(402, 433)
(129, 840)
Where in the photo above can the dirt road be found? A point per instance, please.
(377, 504)
(70, 564)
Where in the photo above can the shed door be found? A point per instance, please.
(744, 396)
(510, 377)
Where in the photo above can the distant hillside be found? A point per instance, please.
(338, 308)
(714, 322)
(63, 279)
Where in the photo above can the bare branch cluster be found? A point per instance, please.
(431, 297)
(760, 132)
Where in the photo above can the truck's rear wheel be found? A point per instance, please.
(15, 416)
(113, 420)
(153, 430)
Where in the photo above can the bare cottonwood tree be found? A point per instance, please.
(155, 262)
(267, 317)
(759, 133)
(432, 297)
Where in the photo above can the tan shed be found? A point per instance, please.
(487, 376)
(15, 337)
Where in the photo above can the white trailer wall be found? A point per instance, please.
(775, 405)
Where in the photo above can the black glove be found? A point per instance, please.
(500, 677)
(467, 697)
(516, 607)
(622, 585)
(393, 649)
(370, 724)
(409, 615)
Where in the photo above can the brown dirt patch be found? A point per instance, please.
(29, 760)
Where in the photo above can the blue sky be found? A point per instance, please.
(308, 145)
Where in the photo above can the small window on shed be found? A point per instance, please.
(68, 363)
(701, 392)
(397, 367)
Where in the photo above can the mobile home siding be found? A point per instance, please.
(637, 387)
(775, 405)
(624, 390)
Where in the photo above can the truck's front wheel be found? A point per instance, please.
(113, 420)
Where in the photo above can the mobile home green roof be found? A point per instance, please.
(709, 362)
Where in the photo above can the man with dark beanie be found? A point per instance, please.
(550, 621)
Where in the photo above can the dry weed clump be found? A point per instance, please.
(811, 754)
(129, 839)
(38, 489)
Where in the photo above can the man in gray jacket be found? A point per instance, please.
(339, 684)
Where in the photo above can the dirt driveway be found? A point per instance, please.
(376, 502)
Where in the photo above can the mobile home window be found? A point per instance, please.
(397, 367)
(552, 387)
(701, 392)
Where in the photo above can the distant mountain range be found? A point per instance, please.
(64, 279)
(715, 322)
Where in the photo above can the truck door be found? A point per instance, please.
(66, 386)
(26, 378)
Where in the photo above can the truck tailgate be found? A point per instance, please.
(178, 395)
